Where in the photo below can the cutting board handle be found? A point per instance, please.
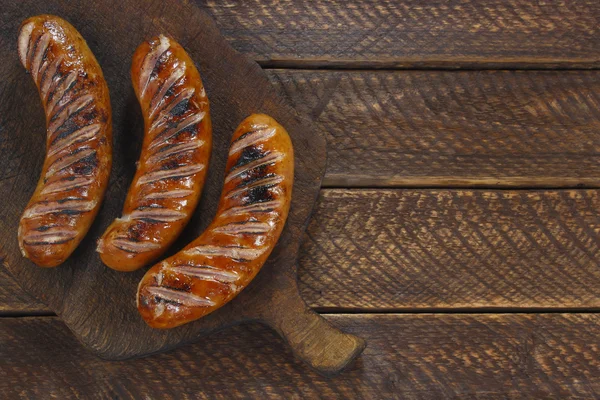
(312, 338)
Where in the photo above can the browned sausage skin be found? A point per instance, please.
(78, 141)
(175, 155)
(254, 205)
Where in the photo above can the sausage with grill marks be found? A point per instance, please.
(78, 140)
(175, 155)
(254, 205)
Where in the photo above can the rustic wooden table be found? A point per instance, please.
(458, 228)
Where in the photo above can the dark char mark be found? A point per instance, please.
(255, 178)
(44, 228)
(87, 165)
(180, 108)
(69, 198)
(86, 114)
(259, 194)
(171, 91)
(171, 164)
(249, 154)
(68, 128)
(135, 232)
(70, 212)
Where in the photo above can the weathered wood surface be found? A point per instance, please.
(84, 292)
(14, 300)
(415, 33)
(415, 249)
(436, 128)
(447, 249)
(520, 356)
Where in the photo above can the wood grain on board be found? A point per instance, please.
(442, 128)
(423, 356)
(428, 249)
(414, 33)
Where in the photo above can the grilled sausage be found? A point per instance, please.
(222, 261)
(78, 141)
(175, 153)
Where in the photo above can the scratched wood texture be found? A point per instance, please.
(370, 250)
(413, 33)
(428, 356)
(436, 128)
(397, 248)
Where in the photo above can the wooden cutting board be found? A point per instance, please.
(97, 303)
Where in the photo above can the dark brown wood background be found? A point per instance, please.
(458, 229)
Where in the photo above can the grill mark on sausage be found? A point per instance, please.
(68, 160)
(259, 194)
(68, 207)
(150, 62)
(169, 109)
(158, 214)
(70, 110)
(178, 296)
(266, 182)
(251, 138)
(49, 76)
(240, 169)
(56, 235)
(180, 108)
(168, 133)
(205, 272)
(234, 252)
(31, 53)
(172, 150)
(243, 227)
(130, 246)
(80, 135)
(87, 165)
(159, 96)
(253, 130)
(40, 51)
(171, 194)
(265, 207)
(249, 154)
(65, 185)
(63, 86)
(24, 43)
(172, 173)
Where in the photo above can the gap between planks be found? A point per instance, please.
(368, 182)
(431, 65)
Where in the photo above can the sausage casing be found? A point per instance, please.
(78, 141)
(174, 159)
(251, 214)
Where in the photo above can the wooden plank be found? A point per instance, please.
(416, 33)
(440, 129)
(441, 249)
(419, 249)
(408, 356)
